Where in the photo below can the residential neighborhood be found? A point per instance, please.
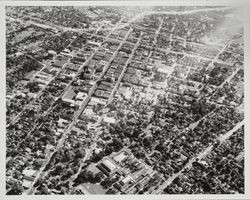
(124, 100)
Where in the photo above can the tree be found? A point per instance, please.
(120, 114)
(68, 155)
(33, 87)
(30, 64)
(38, 163)
(79, 153)
(85, 68)
(58, 169)
(39, 182)
(45, 190)
(108, 149)
(139, 154)
(84, 176)
(98, 177)
(17, 189)
(111, 191)
(75, 25)
(70, 172)
(117, 144)
(63, 190)
(9, 162)
(106, 183)
(97, 157)
(147, 141)
(14, 152)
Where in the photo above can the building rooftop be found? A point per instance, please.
(70, 94)
(110, 120)
(120, 157)
(110, 165)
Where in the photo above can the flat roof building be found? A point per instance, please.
(107, 167)
(120, 157)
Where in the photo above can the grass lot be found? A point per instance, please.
(93, 168)
(89, 188)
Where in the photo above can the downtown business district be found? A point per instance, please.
(117, 100)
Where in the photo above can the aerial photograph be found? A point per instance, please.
(124, 100)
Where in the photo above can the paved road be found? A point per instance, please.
(203, 154)
(226, 81)
(83, 106)
(139, 16)
(98, 132)
(63, 67)
(123, 71)
(41, 91)
(76, 116)
(66, 88)
(118, 82)
(102, 75)
(53, 78)
(88, 152)
(68, 130)
(167, 51)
